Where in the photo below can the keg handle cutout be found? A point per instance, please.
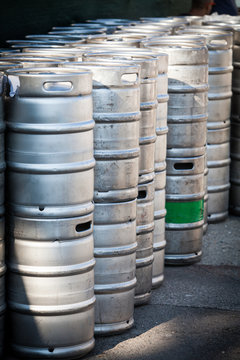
(83, 227)
(142, 194)
(183, 166)
(56, 86)
(217, 42)
(130, 78)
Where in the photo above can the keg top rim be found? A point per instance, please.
(210, 30)
(110, 65)
(40, 54)
(118, 52)
(43, 71)
(64, 37)
(30, 59)
(40, 42)
(176, 45)
(135, 50)
(65, 50)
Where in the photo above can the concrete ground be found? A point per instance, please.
(195, 315)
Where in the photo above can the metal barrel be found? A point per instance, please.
(51, 286)
(159, 241)
(145, 227)
(147, 138)
(219, 45)
(235, 168)
(185, 209)
(50, 212)
(162, 110)
(218, 162)
(116, 111)
(187, 88)
(115, 271)
(148, 102)
(53, 149)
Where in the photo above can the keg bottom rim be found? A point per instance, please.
(235, 210)
(114, 328)
(217, 217)
(157, 281)
(183, 259)
(64, 353)
(142, 299)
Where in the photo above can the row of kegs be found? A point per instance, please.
(117, 157)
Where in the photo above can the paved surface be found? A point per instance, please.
(195, 315)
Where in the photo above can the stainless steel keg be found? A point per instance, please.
(162, 110)
(50, 153)
(116, 111)
(187, 88)
(51, 286)
(219, 45)
(148, 102)
(115, 253)
(145, 227)
(185, 209)
(218, 162)
(50, 203)
(159, 241)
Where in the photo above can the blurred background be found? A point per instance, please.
(20, 18)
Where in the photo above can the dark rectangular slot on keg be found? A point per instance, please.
(183, 166)
(142, 194)
(83, 227)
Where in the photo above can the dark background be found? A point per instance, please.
(19, 18)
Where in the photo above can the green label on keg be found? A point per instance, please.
(184, 212)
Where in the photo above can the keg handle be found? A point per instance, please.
(142, 194)
(183, 166)
(56, 86)
(83, 226)
(130, 78)
(216, 42)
